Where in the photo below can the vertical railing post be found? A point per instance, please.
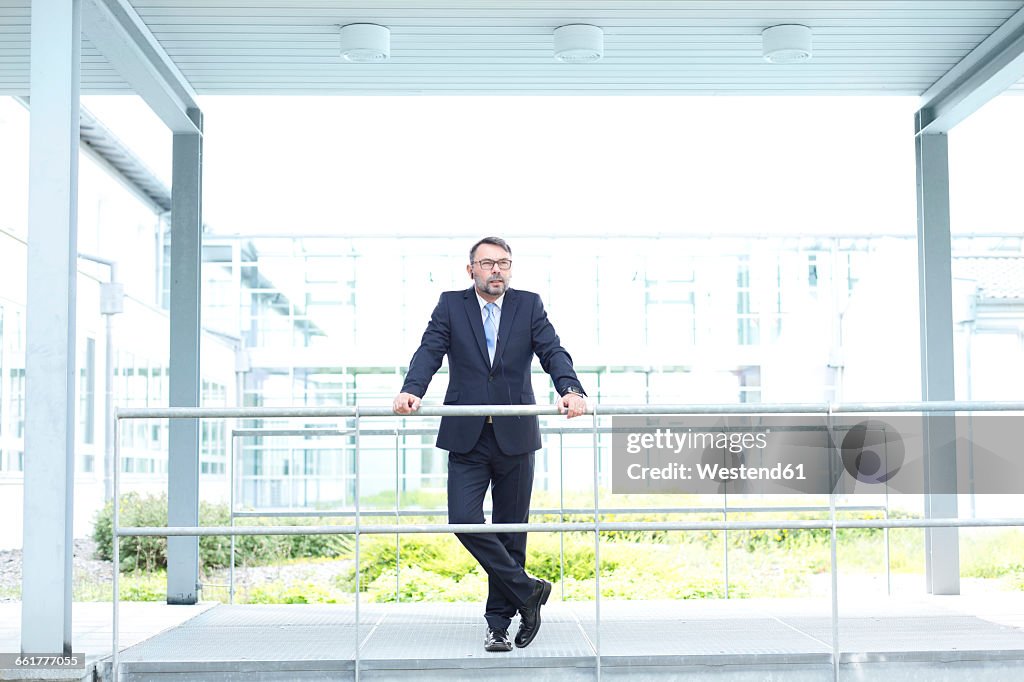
(833, 563)
(597, 551)
(231, 514)
(355, 472)
(398, 520)
(725, 538)
(561, 511)
(885, 515)
(116, 545)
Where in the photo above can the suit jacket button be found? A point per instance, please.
(490, 377)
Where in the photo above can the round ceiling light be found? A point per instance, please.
(578, 44)
(786, 44)
(365, 43)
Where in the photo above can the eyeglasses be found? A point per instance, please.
(488, 264)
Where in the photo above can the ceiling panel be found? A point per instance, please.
(486, 46)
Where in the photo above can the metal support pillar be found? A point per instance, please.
(184, 384)
(50, 327)
(942, 551)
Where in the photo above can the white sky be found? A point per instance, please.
(578, 165)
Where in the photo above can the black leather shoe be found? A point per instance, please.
(497, 640)
(529, 615)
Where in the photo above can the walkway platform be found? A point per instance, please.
(929, 638)
(91, 628)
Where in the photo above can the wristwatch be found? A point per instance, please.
(574, 391)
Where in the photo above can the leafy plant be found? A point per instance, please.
(139, 553)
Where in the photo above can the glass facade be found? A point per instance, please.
(668, 320)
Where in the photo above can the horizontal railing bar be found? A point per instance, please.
(543, 410)
(584, 526)
(563, 431)
(419, 431)
(587, 431)
(541, 512)
(290, 432)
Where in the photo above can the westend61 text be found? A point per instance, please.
(716, 472)
(667, 439)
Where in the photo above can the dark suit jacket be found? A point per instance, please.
(456, 329)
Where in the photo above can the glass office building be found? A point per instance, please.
(666, 320)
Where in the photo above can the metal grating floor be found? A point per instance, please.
(726, 639)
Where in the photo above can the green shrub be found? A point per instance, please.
(440, 554)
(137, 553)
(150, 553)
(543, 560)
(417, 584)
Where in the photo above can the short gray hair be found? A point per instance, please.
(495, 241)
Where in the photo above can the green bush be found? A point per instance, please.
(137, 553)
(150, 553)
(440, 554)
(417, 584)
(542, 556)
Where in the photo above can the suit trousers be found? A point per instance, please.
(501, 555)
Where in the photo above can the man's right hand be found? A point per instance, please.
(405, 403)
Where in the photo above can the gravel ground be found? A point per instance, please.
(86, 567)
(321, 573)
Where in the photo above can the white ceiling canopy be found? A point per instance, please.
(870, 47)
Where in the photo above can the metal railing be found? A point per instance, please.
(596, 526)
(398, 512)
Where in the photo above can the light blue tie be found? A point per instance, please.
(490, 330)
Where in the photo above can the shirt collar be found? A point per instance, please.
(482, 302)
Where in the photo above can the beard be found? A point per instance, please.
(492, 285)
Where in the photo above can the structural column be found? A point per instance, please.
(184, 383)
(50, 327)
(934, 256)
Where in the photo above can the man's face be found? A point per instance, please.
(493, 281)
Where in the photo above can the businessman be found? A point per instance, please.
(490, 334)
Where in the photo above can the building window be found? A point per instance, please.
(670, 317)
(17, 377)
(750, 384)
(747, 323)
(87, 393)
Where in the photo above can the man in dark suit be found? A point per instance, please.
(490, 334)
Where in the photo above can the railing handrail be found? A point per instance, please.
(640, 409)
(414, 512)
(552, 527)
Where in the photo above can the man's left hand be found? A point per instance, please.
(572, 405)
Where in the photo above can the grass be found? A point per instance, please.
(135, 586)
